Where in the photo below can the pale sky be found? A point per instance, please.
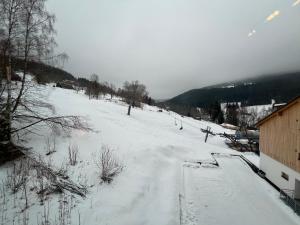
(175, 45)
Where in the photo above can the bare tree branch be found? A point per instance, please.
(64, 122)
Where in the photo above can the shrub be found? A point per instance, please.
(109, 166)
(73, 153)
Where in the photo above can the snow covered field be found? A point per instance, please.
(153, 150)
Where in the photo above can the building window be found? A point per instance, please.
(284, 176)
(299, 156)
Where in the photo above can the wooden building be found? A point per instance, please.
(280, 147)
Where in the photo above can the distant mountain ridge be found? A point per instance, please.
(252, 91)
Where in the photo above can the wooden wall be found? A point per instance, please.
(280, 137)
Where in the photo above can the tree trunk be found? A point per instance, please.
(8, 103)
(129, 109)
(23, 79)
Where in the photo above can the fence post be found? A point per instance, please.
(207, 132)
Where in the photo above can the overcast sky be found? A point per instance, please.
(176, 45)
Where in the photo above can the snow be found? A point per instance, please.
(231, 194)
(229, 86)
(229, 126)
(261, 110)
(154, 152)
(252, 157)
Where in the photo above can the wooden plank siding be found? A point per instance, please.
(280, 136)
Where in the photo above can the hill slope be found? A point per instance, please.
(44, 73)
(161, 182)
(255, 91)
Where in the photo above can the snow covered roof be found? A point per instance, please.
(229, 126)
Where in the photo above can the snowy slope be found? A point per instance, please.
(153, 151)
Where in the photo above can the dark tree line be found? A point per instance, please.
(231, 114)
(256, 91)
(43, 72)
(216, 113)
(94, 88)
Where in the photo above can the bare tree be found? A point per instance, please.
(9, 22)
(93, 90)
(26, 34)
(18, 176)
(112, 90)
(36, 36)
(134, 92)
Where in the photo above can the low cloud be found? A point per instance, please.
(174, 45)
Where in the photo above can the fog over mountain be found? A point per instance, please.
(176, 45)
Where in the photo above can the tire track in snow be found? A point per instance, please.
(156, 202)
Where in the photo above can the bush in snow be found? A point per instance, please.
(73, 153)
(51, 144)
(109, 166)
(17, 177)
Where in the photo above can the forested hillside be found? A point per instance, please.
(255, 91)
(44, 73)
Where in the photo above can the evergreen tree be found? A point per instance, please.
(215, 111)
(232, 113)
(221, 117)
